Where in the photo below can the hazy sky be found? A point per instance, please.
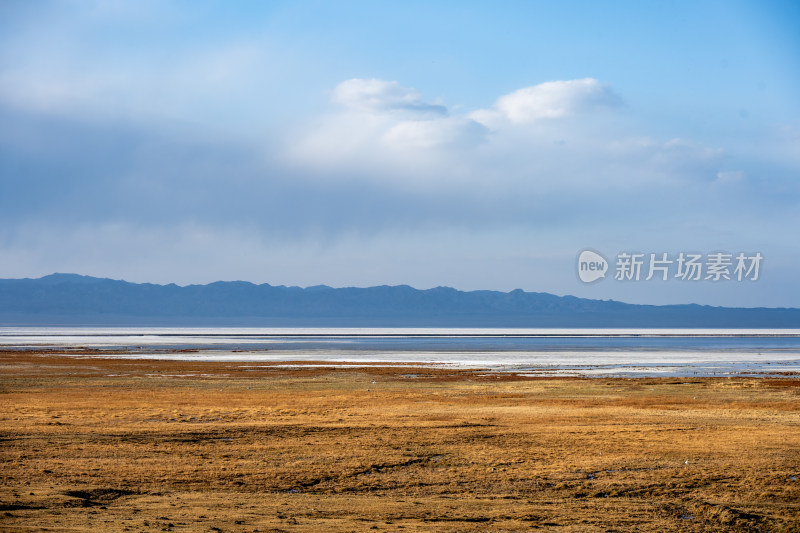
(479, 145)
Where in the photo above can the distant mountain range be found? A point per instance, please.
(70, 299)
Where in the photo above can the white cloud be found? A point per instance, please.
(549, 100)
(387, 132)
(381, 96)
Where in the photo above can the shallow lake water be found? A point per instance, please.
(578, 352)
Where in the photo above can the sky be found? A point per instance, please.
(476, 145)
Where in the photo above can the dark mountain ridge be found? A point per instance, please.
(71, 299)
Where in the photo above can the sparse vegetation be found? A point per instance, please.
(124, 445)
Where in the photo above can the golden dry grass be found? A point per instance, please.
(105, 444)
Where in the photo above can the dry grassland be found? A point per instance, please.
(102, 444)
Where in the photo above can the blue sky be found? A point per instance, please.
(471, 144)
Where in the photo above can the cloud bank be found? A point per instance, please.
(556, 140)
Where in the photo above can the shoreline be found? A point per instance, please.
(589, 364)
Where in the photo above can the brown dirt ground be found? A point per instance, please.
(94, 443)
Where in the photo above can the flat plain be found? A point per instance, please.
(93, 443)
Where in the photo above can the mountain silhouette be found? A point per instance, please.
(71, 299)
